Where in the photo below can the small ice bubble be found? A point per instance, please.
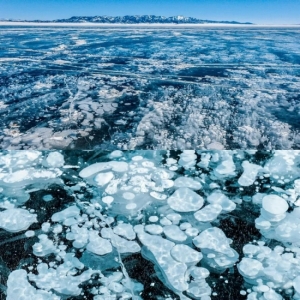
(128, 196)
(137, 158)
(153, 219)
(29, 233)
(104, 178)
(154, 229)
(55, 160)
(131, 206)
(107, 200)
(47, 198)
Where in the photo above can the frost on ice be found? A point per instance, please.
(137, 224)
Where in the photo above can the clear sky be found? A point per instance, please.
(257, 11)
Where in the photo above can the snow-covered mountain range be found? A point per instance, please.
(137, 19)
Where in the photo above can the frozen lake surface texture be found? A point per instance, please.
(149, 163)
(149, 88)
(150, 225)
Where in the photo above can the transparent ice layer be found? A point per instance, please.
(210, 224)
(150, 88)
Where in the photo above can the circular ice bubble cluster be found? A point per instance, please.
(270, 270)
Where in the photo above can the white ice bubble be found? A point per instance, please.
(16, 219)
(274, 204)
(249, 175)
(131, 206)
(104, 178)
(55, 160)
(185, 200)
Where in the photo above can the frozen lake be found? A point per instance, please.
(149, 88)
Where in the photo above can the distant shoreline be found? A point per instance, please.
(87, 24)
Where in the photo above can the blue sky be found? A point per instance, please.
(257, 11)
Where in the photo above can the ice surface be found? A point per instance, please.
(92, 92)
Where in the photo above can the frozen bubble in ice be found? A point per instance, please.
(250, 249)
(213, 239)
(226, 168)
(131, 206)
(249, 267)
(154, 229)
(123, 245)
(164, 221)
(98, 245)
(208, 213)
(153, 219)
(104, 178)
(108, 200)
(55, 160)
(192, 231)
(185, 200)
(29, 233)
(71, 211)
(16, 219)
(185, 226)
(199, 272)
(187, 159)
(262, 223)
(158, 196)
(47, 198)
(274, 204)
(174, 233)
(125, 230)
(128, 196)
(116, 154)
(186, 254)
(249, 175)
(18, 287)
(217, 197)
(173, 271)
(174, 218)
(117, 166)
(44, 247)
(296, 284)
(187, 183)
(137, 158)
